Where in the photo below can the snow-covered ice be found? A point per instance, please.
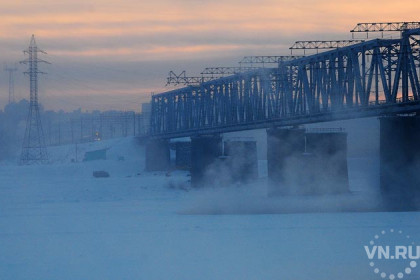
(59, 222)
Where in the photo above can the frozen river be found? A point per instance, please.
(58, 222)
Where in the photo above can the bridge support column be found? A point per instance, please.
(183, 155)
(400, 162)
(326, 153)
(284, 148)
(306, 163)
(241, 160)
(157, 155)
(205, 152)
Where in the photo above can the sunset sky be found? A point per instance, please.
(112, 54)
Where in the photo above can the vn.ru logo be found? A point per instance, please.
(392, 254)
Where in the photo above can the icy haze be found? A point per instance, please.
(59, 222)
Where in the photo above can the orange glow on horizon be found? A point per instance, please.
(172, 33)
(107, 19)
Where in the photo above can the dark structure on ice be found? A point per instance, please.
(301, 162)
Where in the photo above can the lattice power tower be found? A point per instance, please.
(33, 149)
(10, 71)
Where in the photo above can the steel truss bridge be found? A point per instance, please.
(370, 78)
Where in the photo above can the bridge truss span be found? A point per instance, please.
(366, 79)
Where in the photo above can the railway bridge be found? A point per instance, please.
(353, 79)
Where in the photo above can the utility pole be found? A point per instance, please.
(11, 71)
(34, 149)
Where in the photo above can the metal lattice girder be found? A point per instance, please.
(267, 59)
(366, 79)
(352, 77)
(221, 71)
(323, 44)
(183, 79)
(385, 26)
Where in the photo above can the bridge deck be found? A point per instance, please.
(345, 114)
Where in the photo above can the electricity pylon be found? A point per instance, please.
(34, 149)
(11, 71)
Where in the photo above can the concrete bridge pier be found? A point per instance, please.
(241, 160)
(157, 155)
(400, 162)
(301, 163)
(326, 152)
(284, 149)
(183, 155)
(205, 153)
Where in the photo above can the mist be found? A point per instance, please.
(222, 193)
(65, 128)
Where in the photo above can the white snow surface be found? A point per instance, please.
(59, 222)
